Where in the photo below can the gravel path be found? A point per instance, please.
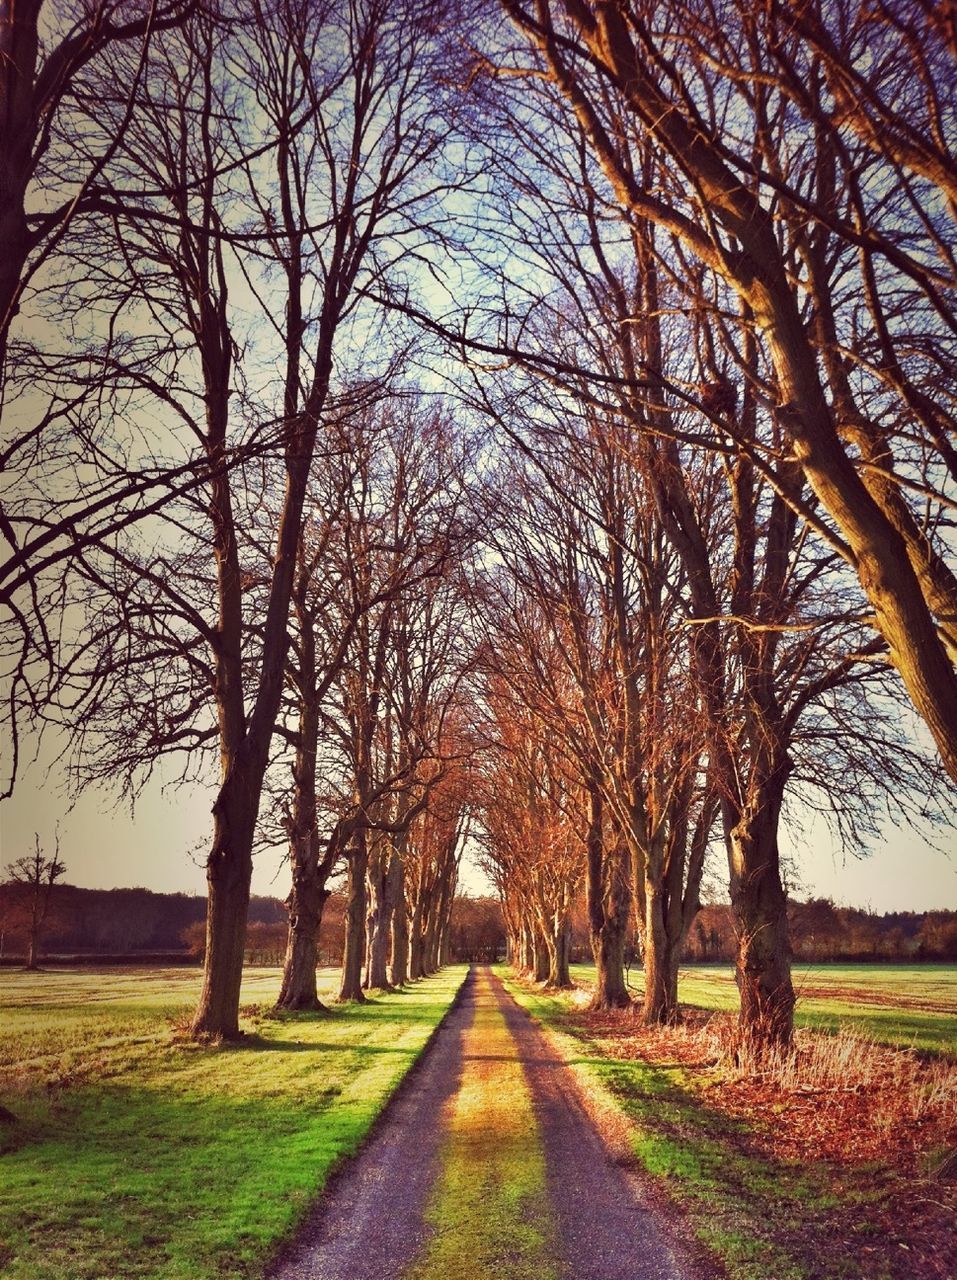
(370, 1224)
(607, 1228)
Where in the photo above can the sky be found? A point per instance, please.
(161, 846)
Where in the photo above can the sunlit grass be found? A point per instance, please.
(910, 1006)
(135, 1153)
(489, 1212)
(64, 1010)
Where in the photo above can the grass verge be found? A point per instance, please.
(138, 1154)
(753, 1178)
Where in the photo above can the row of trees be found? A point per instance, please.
(259, 551)
(420, 426)
(731, 362)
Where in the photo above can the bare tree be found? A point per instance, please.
(58, 135)
(435, 845)
(587, 551)
(374, 668)
(318, 650)
(37, 874)
(614, 312)
(51, 151)
(532, 830)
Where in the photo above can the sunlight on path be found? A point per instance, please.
(489, 1210)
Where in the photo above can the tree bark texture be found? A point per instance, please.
(609, 906)
(559, 973)
(399, 961)
(399, 933)
(305, 904)
(228, 877)
(416, 941)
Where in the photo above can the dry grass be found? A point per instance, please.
(843, 1096)
(847, 1062)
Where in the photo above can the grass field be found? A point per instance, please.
(909, 1006)
(826, 1180)
(138, 1154)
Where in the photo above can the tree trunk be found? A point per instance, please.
(355, 922)
(550, 940)
(539, 954)
(388, 887)
(433, 929)
(19, 50)
(305, 904)
(661, 1000)
(379, 936)
(308, 894)
(526, 957)
(429, 957)
(559, 976)
(228, 876)
(446, 898)
(759, 904)
(381, 907)
(217, 1013)
(416, 966)
(608, 948)
(608, 908)
(399, 963)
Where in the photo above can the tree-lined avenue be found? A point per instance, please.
(485, 1167)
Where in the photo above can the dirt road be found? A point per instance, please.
(485, 1167)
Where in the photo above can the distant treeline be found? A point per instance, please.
(819, 930)
(822, 931)
(137, 922)
(113, 921)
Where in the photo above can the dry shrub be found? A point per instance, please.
(917, 1087)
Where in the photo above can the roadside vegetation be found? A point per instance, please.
(820, 1165)
(134, 1152)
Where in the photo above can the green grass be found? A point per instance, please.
(763, 1216)
(137, 1154)
(909, 1006)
